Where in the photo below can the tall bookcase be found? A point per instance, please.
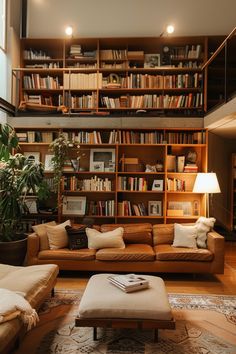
(113, 75)
(125, 175)
(233, 194)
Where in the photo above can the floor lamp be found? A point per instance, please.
(206, 183)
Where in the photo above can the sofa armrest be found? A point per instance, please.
(33, 245)
(216, 244)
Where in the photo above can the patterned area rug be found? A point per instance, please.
(205, 324)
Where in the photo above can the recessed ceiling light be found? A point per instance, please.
(170, 29)
(69, 31)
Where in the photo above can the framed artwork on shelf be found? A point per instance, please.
(155, 208)
(32, 156)
(157, 185)
(74, 205)
(48, 165)
(107, 156)
(152, 60)
(97, 166)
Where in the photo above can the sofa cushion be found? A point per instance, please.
(131, 253)
(185, 236)
(133, 233)
(170, 253)
(41, 231)
(163, 234)
(57, 235)
(83, 254)
(77, 237)
(97, 240)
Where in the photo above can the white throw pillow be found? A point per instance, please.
(204, 225)
(185, 236)
(57, 235)
(110, 239)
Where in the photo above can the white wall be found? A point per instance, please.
(109, 18)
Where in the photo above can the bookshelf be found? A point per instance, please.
(233, 193)
(109, 76)
(126, 175)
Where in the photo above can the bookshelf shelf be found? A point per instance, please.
(123, 62)
(128, 187)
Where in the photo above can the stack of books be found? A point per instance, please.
(129, 282)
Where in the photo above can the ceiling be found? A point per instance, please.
(109, 18)
(127, 18)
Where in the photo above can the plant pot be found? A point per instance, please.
(13, 252)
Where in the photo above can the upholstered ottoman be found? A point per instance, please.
(105, 305)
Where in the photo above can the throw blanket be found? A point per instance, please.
(13, 304)
(204, 225)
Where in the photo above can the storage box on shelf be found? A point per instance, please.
(112, 75)
(126, 175)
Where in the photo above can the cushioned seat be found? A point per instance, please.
(170, 253)
(83, 254)
(101, 299)
(131, 253)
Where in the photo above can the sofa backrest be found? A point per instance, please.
(163, 234)
(133, 233)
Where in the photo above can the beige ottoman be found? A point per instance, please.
(105, 305)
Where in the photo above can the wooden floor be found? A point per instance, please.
(176, 283)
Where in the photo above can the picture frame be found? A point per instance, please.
(154, 208)
(48, 165)
(97, 166)
(34, 156)
(157, 185)
(152, 60)
(107, 156)
(74, 205)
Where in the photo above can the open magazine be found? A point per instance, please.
(129, 282)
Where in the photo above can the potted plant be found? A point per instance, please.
(19, 177)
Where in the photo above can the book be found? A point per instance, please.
(129, 282)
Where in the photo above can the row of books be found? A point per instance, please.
(32, 54)
(186, 52)
(80, 102)
(153, 101)
(100, 207)
(52, 65)
(84, 137)
(36, 136)
(129, 282)
(164, 82)
(132, 183)
(175, 184)
(35, 81)
(126, 208)
(73, 183)
(80, 81)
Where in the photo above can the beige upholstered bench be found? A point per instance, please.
(105, 305)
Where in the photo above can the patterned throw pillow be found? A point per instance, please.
(77, 237)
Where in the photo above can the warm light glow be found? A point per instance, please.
(206, 183)
(69, 31)
(170, 29)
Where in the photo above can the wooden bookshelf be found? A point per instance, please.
(110, 76)
(125, 174)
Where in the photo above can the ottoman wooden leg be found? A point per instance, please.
(95, 333)
(155, 335)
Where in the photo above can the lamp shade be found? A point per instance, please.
(206, 183)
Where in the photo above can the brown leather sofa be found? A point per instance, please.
(148, 248)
